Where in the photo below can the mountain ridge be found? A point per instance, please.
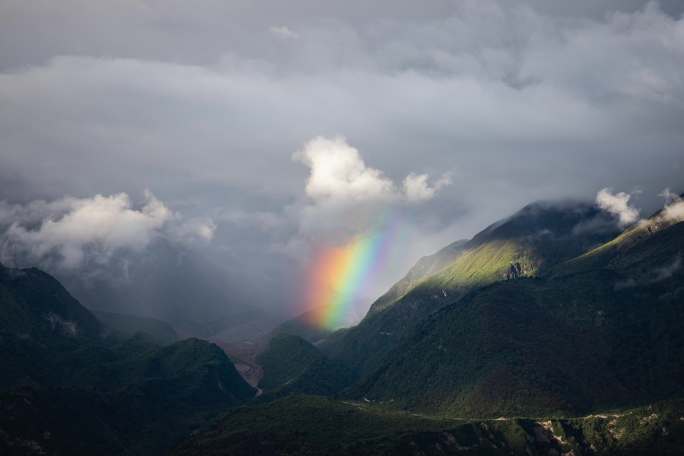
(527, 243)
(515, 330)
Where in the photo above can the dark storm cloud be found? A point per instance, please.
(205, 103)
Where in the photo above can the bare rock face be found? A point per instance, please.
(516, 271)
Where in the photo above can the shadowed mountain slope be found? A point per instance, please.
(57, 361)
(130, 325)
(33, 303)
(285, 359)
(293, 365)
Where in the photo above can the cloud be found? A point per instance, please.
(674, 206)
(618, 205)
(338, 173)
(669, 196)
(345, 197)
(416, 187)
(674, 211)
(69, 231)
(195, 229)
(260, 220)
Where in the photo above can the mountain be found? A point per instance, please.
(600, 330)
(60, 361)
(550, 313)
(159, 331)
(524, 244)
(641, 249)
(293, 365)
(34, 304)
(550, 332)
(285, 359)
(135, 397)
(308, 425)
(425, 267)
(527, 244)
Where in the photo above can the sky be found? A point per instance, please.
(258, 132)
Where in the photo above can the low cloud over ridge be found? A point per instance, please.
(618, 205)
(63, 232)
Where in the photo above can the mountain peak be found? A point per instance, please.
(555, 219)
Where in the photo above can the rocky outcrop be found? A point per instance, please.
(515, 271)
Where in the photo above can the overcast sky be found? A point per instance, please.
(256, 130)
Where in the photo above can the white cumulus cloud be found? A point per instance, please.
(195, 229)
(102, 223)
(70, 230)
(618, 205)
(347, 197)
(338, 173)
(674, 206)
(417, 187)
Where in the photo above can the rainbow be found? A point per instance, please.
(339, 274)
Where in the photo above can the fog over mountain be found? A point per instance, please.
(246, 134)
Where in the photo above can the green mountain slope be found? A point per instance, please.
(527, 244)
(640, 251)
(308, 425)
(425, 267)
(602, 330)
